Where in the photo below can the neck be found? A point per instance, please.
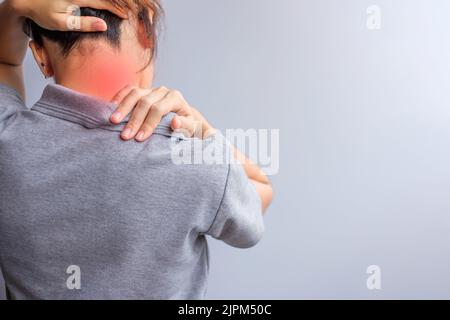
(101, 75)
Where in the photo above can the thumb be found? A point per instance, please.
(185, 125)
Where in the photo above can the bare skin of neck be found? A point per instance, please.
(102, 72)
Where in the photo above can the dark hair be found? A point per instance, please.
(69, 39)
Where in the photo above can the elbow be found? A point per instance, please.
(252, 239)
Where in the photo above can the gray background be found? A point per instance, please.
(364, 121)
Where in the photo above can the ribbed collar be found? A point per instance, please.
(63, 103)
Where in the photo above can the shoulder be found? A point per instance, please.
(200, 171)
(10, 97)
(10, 103)
(235, 211)
(206, 162)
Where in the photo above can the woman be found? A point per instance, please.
(72, 197)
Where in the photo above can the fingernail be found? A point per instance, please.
(176, 123)
(100, 26)
(117, 116)
(140, 136)
(126, 133)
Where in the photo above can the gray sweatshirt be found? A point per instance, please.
(84, 215)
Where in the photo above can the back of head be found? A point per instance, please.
(100, 64)
(147, 12)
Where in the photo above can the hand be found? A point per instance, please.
(149, 106)
(56, 14)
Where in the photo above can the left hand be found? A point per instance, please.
(149, 106)
(56, 14)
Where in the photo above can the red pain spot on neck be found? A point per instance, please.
(101, 75)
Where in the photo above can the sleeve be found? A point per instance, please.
(239, 220)
(10, 103)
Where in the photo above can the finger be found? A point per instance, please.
(118, 98)
(151, 122)
(153, 118)
(103, 5)
(173, 102)
(131, 102)
(136, 123)
(191, 127)
(132, 97)
(179, 104)
(117, 116)
(208, 131)
(170, 103)
(139, 115)
(66, 22)
(176, 123)
(184, 125)
(129, 99)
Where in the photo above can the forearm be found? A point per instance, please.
(13, 39)
(14, 46)
(254, 173)
(258, 178)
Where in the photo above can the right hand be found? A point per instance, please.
(147, 107)
(56, 14)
